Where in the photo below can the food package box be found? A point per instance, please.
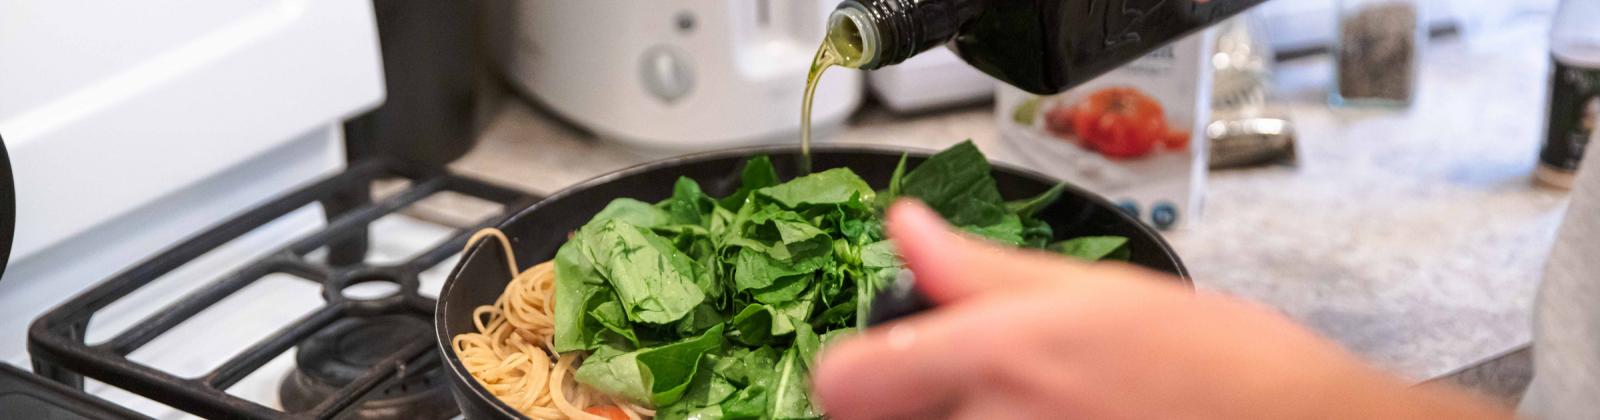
(1134, 135)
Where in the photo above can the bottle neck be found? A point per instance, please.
(871, 34)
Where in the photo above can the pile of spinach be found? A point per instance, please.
(716, 308)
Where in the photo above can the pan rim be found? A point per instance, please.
(458, 370)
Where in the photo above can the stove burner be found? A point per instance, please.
(334, 357)
(358, 356)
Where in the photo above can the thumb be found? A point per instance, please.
(951, 266)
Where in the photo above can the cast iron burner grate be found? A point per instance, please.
(335, 377)
(337, 355)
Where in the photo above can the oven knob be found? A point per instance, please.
(666, 73)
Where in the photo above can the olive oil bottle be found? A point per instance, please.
(1041, 46)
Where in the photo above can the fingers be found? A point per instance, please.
(914, 368)
(917, 367)
(950, 266)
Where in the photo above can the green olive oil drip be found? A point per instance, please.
(825, 58)
(841, 47)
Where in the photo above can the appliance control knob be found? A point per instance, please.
(666, 73)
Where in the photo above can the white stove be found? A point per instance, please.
(133, 125)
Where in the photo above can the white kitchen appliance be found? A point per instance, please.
(673, 75)
(903, 87)
(132, 125)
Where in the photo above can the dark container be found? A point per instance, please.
(1041, 46)
(537, 231)
(8, 208)
(430, 65)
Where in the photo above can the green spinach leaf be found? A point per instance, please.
(702, 401)
(790, 397)
(1095, 248)
(688, 204)
(1007, 231)
(879, 254)
(654, 282)
(1030, 207)
(833, 186)
(956, 183)
(577, 285)
(609, 314)
(669, 368)
(758, 173)
(896, 184)
(615, 372)
(655, 375)
(635, 212)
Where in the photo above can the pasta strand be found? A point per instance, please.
(512, 349)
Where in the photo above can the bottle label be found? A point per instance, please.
(1574, 112)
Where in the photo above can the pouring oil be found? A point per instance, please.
(825, 58)
(843, 46)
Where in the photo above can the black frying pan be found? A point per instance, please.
(8, 208)
(537, 231)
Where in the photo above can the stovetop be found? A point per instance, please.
(27, 396)
(354, 334)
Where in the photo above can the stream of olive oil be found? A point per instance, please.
(825, 58)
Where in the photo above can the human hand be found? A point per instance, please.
(1021, 334)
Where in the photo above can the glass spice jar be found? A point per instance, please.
(1377, 52)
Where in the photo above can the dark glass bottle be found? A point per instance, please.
(1042, 46)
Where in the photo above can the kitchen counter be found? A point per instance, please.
(1415, 238)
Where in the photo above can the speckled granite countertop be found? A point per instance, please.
(1415, 238)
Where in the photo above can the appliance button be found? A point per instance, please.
(666, 73)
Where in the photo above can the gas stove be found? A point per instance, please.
(193, 238)
(359, 347)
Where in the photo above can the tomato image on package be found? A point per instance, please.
(1119, 122)
(1132, 135)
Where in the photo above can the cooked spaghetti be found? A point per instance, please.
(512, 352)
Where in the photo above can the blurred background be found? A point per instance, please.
(1370, 167)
